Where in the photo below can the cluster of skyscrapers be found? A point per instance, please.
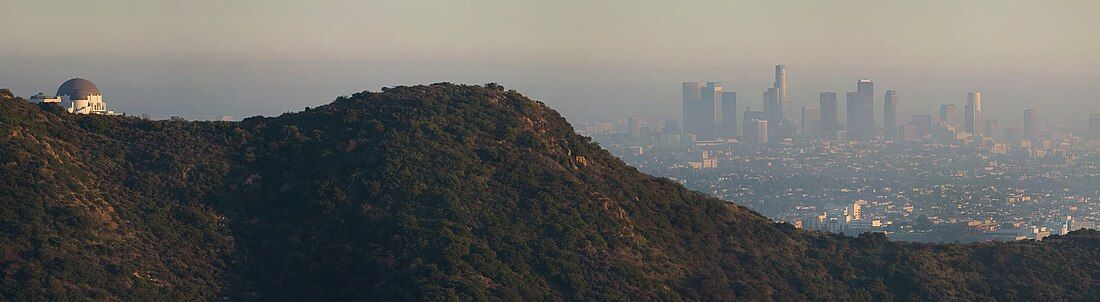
(712, 114)
(706, 111)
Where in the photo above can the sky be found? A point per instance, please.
(590, 60)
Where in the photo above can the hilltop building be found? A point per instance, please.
(77, 96)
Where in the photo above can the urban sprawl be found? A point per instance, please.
(955, 177)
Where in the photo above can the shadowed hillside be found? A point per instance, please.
(437, 192)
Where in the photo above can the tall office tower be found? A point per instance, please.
(973, 120)
(710, 114)
(755, 128)
(811, 123)
(829, 120)
(890, 114)
(993, 129)
(850, 101)
(788, 127)
(781, 82)
(692, 108)
(861, 111)
(781, 93)
(866, 89)
(756, 131)
(767, 103)
(1031, 124)
(923, 122)
(777, 107)
(950, 114)
(729, 114)
(773, 113)
(634, 125)
(1094, 125)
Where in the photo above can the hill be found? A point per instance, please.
(436, 192)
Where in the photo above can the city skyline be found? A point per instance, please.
(703, 109)
(251, 58)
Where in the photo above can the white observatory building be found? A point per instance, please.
(78, 96)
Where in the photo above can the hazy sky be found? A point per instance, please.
(588, 59)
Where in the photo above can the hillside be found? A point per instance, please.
(437, 192)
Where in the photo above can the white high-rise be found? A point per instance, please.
(777, 106)
(972, 121)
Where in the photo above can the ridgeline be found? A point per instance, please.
(436, 192)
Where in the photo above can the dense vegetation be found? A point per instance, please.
(438, 192)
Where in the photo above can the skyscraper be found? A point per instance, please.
(777, 107)
(780, 83)
(729, 114)
(1031, 124)
(702, 110)
(890, 114)
(781, 92)
(829, 119)
(861, 111)
(811, 123)
(711, 111)
(773, 113)
(755, 129)
(692, 107)
(1094, 125)
(973, 120)
(950, 115)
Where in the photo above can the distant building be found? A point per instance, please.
(667, 142)
(692, 108)
(43, 98)
(950, 115)
(811, 123)
(855, 211)
(973, 120)
(772, 112)
(777, 107)
(890, 108)
(711, 113)
(1081, 224)
(755, 127)
(829, 118)
(729, 114)
(704, 161)
(861, 111)
(1031, 124)
(702, 109)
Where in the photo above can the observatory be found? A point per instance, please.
(78, 96)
